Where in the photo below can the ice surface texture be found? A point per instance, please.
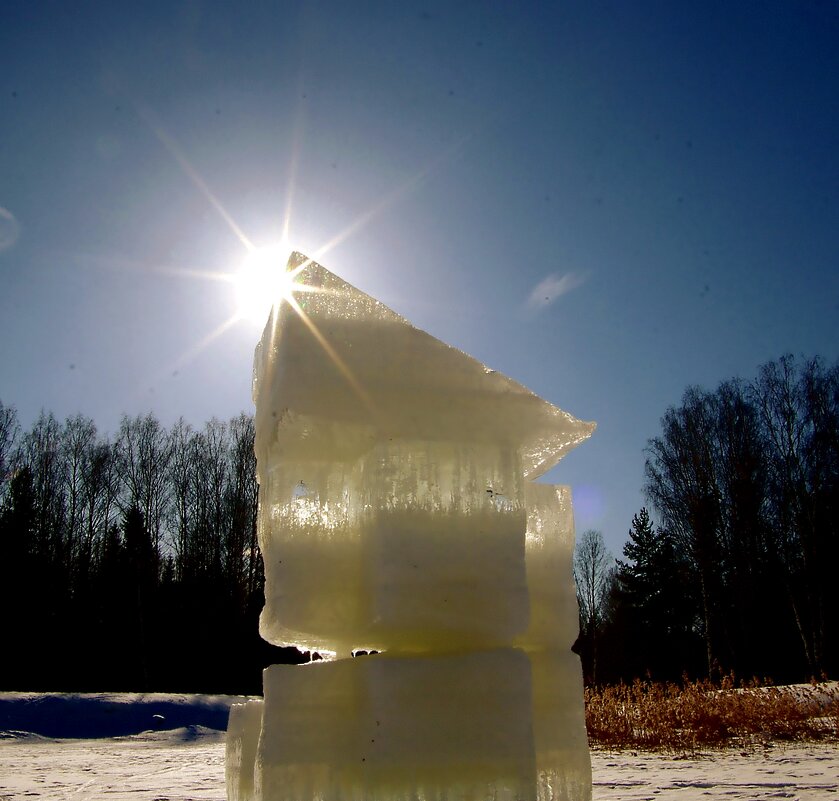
(459, 726)
(392, 471)
(397, 512)
(364, 374)
(549, 551)
(243, 730)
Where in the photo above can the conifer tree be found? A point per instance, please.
(660, 609)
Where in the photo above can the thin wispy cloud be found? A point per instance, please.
(551, 288)
(9, 229)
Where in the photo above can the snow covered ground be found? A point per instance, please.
(806, 772)
(103, 760)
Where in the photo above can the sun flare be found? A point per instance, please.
(261, 281)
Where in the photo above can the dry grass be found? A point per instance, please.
(688, 717)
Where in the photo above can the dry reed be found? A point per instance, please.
(685, 718)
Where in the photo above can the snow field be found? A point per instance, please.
(188, 765)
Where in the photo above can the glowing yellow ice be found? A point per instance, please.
(398, 513)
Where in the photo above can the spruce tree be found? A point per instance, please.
(660, 610)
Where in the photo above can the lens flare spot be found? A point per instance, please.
(589, 506)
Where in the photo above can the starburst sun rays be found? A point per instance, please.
(262, 279)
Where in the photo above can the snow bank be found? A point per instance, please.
(94, 715)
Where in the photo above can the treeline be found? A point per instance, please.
(131, 562)
(741, 574)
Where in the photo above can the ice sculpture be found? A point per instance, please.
(397, 512)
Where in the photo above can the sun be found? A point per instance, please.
(261, 281)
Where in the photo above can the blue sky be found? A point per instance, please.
(606, 201)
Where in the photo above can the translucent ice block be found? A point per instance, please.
(340, 357)
(243, 728)
(495, 724)
(405, 579)
(392, 471)
(563, 763)
(549, 553)
(396, 727)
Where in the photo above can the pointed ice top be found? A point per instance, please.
(335, 354)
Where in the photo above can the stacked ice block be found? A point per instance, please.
(398, 513)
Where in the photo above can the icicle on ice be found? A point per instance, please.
(397, 512)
